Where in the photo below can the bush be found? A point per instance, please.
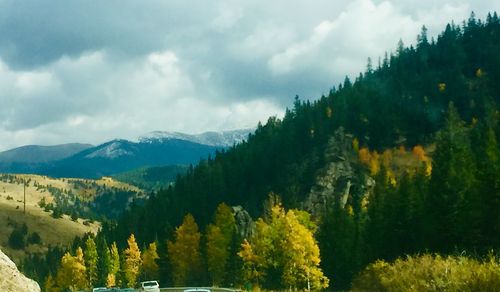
(34, 238)
(431, 273)
(16, 239)
(56, 213)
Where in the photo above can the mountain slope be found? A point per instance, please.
(218, 139)
(122, 155)
(152, 178)
(27, 158)
(401, 103)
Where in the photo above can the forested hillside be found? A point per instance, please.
(440, 94)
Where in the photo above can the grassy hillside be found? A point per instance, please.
(52, 228)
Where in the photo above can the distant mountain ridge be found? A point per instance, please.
(212, 138)
(40, 154)
(119, 155)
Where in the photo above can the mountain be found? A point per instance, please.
(218, 139)
(27, 158)
(122, 155)
(117, 156)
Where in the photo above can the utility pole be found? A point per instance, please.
(24, 184)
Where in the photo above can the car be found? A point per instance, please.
(97, 289)
(150, 286)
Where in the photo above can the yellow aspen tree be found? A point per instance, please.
(114, 266)
(419, 152)
(71, 273)
(132, 262)
(110, 280)
(284, 243)
(50, 285)
(374, 163)
(364, 156)
(302, 257)
(184, 252)
(150, 269)
(253, 264)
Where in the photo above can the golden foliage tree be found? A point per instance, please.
(150, 269)
(132, 262)
(50, 285)
(284, 243)
(72, 271)
(114, 266)
(184, 251)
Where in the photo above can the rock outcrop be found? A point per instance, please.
(11, 280)
(341, 179)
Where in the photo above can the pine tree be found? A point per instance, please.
(91, 259)
(132, 262)
(184, 252)
(104, 262)
(452, 185)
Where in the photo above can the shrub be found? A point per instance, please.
(34, 238)
(56, 213)
(431, 273)
(16, 239)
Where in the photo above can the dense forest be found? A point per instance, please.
(436, 100)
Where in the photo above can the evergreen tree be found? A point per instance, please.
(104, 262)
(452, 185)
(91, 259)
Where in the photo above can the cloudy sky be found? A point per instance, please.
(90, 71)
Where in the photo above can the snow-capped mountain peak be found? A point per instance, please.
(110, 150)
(212, 138)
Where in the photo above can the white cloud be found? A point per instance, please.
(342, 45)
(93, 98)
(120, 69)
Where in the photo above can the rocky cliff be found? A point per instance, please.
(11, 280)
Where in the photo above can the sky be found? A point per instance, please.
(91, 71)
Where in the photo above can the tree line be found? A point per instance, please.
(281, 252)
